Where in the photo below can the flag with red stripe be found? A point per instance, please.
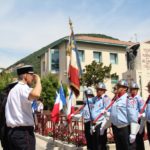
(74, 69)
(70, 107)
(56, 109)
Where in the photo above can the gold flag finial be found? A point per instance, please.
(70, 23)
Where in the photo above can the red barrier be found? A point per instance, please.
(71, 133)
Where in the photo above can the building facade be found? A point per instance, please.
(105, 50)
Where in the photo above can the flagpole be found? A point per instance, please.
(79, 65)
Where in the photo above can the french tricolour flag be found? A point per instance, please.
(58, 106)
(70, 109)
(74, 69)
(60, 103)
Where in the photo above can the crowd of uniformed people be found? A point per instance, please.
(127, 113)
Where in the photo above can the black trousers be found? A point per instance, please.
(21, 138)
(4, 140)
(88, 135)
(121, 137)
(140, 141)
(148, 131)
(99, 141)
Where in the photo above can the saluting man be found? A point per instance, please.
(139, 105)
(124, 118)
(18, 112)
(101, 101)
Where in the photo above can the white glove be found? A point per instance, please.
(134, 128)
(142, 123)
(107, 115)
(105, 124)
(132, 138)
(92, 129)
(102, 131)
(142, 116)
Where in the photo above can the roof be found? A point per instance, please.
(100, 40)
(86, 38)
(82, 38)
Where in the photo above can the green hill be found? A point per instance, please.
(34, 58)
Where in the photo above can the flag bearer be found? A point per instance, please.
(139, 105)
(87, 118)
(101, 101)
(85, 112)
(124, 118)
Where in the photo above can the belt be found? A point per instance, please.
(86, 120)
(121, 126)
(22, 128)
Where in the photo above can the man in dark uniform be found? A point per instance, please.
(18, 112)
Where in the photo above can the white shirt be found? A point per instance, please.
(18, 109)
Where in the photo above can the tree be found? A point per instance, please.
(5, 79)
(94, 73)
(50, 85)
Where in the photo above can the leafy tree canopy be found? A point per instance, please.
(94, 73)
(50, 85)
(5, 79)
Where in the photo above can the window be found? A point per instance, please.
(114, 81)
(97, 56)
(43, 66)
(54, 60)
(113, 58)
(81, 55)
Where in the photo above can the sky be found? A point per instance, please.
(28, 25)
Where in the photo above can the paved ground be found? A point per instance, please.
(42, 145)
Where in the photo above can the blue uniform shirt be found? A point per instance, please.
(123, 111)
(100, 103)
(85, 111)
(148, 111)
(139, 102)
